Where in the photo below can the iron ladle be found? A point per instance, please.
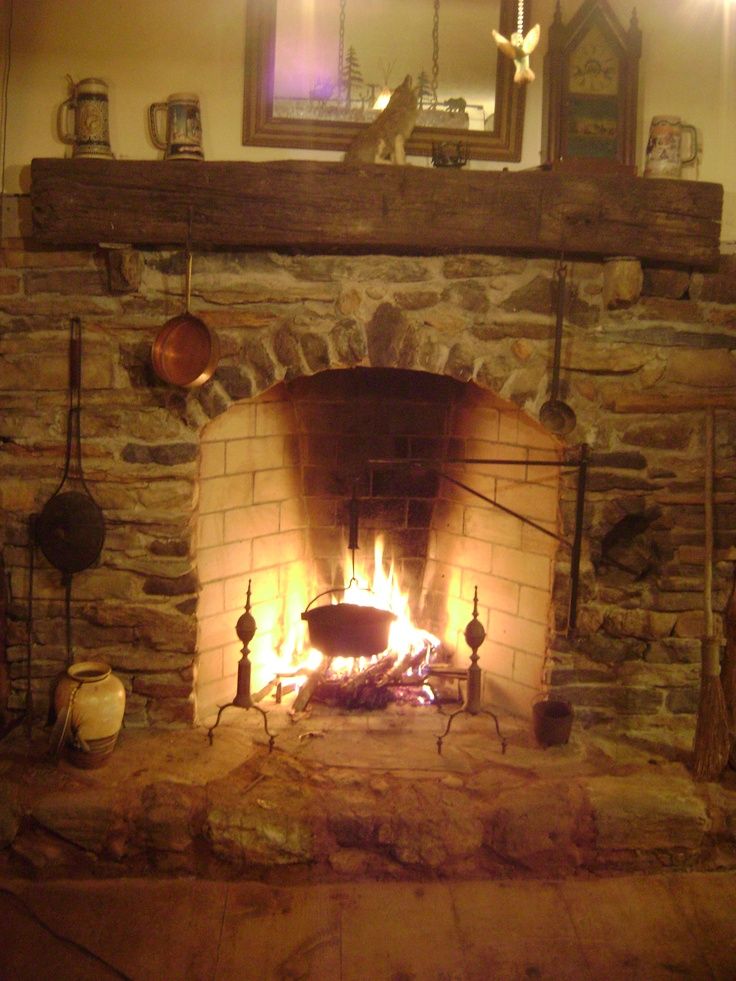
(556, 415)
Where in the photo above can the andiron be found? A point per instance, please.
(245, 629)
(474, 635)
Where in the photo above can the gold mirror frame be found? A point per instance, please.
(261, 128)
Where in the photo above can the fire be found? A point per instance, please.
(409, 646)
(386, 594)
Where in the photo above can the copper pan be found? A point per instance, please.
(185, 351)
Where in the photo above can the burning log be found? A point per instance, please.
(386, 680)
(370, 675)
(366, 689)
(401, 674)
(308, 688)
(368, 696)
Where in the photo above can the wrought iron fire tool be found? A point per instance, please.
(567, 466)
(245, 629)
(474, 635)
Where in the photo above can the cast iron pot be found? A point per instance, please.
(349, 630)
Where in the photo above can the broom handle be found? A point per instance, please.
(708, 578)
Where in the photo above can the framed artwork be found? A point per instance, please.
(591, 73)
(315, 71)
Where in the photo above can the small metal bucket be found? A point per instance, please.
(552, 720)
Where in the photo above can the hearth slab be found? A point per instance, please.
(359, 796)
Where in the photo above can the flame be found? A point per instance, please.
(386, 594)
(407, 642)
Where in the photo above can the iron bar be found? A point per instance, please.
(577, 542)
(561, 274)
(575, 546)
(502, 507)
(427, 462)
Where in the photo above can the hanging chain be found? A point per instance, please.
(520, 17)
(435, 50)
(341, 47)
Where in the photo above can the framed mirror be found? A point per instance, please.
(315, 72)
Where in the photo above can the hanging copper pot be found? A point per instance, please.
(186, 351)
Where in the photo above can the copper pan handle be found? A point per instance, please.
(188, 282)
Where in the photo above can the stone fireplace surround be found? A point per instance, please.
(481, 321)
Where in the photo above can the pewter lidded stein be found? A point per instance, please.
(88, 105)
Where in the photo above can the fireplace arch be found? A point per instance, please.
(278, 471)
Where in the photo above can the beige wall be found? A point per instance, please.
(4, 80)
(146, 49)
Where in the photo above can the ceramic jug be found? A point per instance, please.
(90, 702)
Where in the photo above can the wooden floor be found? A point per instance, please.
(643, 927)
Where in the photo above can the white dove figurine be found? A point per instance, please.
(519, 48)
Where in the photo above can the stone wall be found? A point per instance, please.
(485, 318)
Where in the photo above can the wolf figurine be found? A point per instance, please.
(384, 140)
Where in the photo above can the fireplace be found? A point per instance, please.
(281, 475)
(371, 385)
(250, 476)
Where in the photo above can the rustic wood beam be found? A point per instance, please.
(668, 404)
(315, 206)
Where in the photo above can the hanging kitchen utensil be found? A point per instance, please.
(185, 351)
(70, 530)
(4, 667)
(348, 629)
(712, 740)
(556, 415)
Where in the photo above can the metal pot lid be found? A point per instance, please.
(70, 531)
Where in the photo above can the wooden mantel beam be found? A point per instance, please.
(315, 206)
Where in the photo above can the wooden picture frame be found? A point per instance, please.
(591, 77)
(262, 128)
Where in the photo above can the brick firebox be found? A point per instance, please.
(277, 474)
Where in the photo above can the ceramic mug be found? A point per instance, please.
(665, 156)
(182, 136)
(88, 105)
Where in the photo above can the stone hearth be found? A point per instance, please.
(363, 796)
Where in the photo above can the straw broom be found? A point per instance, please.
(712, 742)
(728, 669)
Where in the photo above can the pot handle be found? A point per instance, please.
(63, 721)
(153, 129)
(188, 282)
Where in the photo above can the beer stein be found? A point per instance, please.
(665, 156)
(88, 107)
(181, 138)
